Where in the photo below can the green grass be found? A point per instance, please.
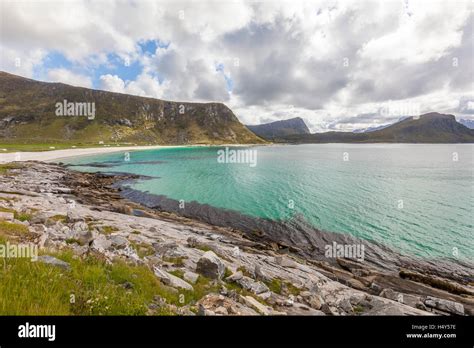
(241, 291)
(35, 147)
(227, 272)
(202, 287)
(244, 271)
(176, 261)
(72, 241)
(17, 215)
(293, 290)
(178, 272)
(277, 286)
(204, 248)
(23, 216)
(90, 287)
(5, 199)
(108, 229)
(143, 249)
(11, 229)
(4, 168)
(7, 210)
(58, 217)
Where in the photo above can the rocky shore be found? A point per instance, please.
(245, 274)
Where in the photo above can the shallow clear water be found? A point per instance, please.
(415, 198)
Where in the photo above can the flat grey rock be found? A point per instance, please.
(50, 260)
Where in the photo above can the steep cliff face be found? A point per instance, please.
(274, 130)
(34, 111)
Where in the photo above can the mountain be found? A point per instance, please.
(467, 123)
(273, 130)
(374, 128)
(28, 114)
(370, 129)
(428, 128)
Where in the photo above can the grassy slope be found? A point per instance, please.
(28, 110)
(90, 287)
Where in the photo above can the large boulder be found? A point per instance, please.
(210, 266)
(81, 233)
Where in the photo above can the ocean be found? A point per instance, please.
(418, 199)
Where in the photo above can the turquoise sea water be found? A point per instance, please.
(417, 199)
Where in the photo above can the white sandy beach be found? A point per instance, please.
(54, 155)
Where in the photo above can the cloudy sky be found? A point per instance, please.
(340, 65)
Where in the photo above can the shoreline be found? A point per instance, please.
(255, 265)
(54, 155)
(296, 235)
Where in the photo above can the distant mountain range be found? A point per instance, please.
(467, 123)
(428, 128)
(370, 129)
(278, 129)
(29, 114)
(374, 128)
(39, 112)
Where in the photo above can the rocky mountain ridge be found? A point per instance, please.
(32, 111)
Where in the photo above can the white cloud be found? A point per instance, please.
(321, 60)
(69, 77)
(426, 33)
(112, 83)
(20, 61)
(145, 85)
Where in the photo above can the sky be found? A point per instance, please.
(339, 65)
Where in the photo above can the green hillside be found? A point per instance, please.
(28, 115)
